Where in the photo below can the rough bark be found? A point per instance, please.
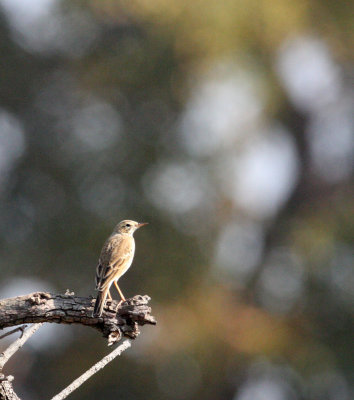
(6, 389)
(70, 309)
(118, 320)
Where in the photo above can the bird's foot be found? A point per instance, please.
(122, 301)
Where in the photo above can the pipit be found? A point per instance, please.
(115, 259)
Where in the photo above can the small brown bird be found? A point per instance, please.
(115, 259)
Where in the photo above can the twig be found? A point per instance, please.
(95, 368)
(17, 344)
(20, 328)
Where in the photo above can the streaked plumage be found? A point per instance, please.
(115, 259)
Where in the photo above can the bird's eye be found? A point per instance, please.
(127, 225)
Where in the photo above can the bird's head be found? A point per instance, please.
(128, 226)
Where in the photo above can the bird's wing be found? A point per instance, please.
(116, 254)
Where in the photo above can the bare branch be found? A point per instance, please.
(95, 368)
(37, 308)
(17, 344)
(69, 309)
(6, 389)
(20, 328)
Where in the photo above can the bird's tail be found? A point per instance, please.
(100, 302)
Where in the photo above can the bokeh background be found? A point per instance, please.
(226, 125)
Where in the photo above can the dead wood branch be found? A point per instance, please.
(37, 308)
(6, 389)
(95, 368)
(19, 329)
(17, 344)
(69, 309)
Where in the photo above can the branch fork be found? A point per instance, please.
(118, 320)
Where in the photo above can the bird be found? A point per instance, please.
(115, 259)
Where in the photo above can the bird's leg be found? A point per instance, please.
(109, 295)
(120, 293)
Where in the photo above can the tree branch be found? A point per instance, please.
(95, 368)
(6, 389)
(20, 328)
(37, 308)
(69, 309)
(17, 344)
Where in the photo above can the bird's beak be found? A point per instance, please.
(140, 224)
